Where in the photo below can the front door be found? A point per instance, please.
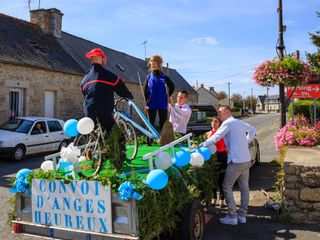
(15, 103)
(49, 104)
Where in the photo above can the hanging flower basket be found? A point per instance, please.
(290, 71)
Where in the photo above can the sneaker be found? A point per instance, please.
(241, 219)
(229, 220)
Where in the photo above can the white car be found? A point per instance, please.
(22, 136)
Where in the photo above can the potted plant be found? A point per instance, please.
(290, 71)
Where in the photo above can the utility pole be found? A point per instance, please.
(268, 111)
(251, 105)
(244, 101)
(145, 48)
(229, 97)
(281, 48)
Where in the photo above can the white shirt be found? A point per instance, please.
(179, 117)
(237, 136)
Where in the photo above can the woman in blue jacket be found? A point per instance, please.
(155, 90)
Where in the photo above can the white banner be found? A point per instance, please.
(81, 205)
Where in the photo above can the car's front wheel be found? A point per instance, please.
(18, 153)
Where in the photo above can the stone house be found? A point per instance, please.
(261, 103)
(207, 96)
(41, 68)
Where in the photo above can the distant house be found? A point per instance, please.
(260, 106)
(273, 103)
(41, 68)
(207, 96)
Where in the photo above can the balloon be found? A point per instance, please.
(85, 125)
(70, 127)
(82, 158)
(205, 152)
(212, 148)
(23, 173)
(163, 161)
(157, 179)
(181, 158)
(197, 159)
(47, 166)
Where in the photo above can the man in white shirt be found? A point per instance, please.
(180, 113)
(237, 136)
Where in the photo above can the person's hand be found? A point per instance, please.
(170, 100)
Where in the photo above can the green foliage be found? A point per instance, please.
(285, 218)
(12, 215)
(305, 108)
(279, 183)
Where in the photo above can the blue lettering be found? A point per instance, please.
(57, 219)
(41, 187)
(79, 220)
(62, 186)
(84, 188)
(52, 186)
(66, 203)
(101, 206)
(67, 220)
(89, 208)
(103, 227)
(39, 201)
(93, 223)
(47, 218)
(55, 204)
(73, 185)
(37, 217)
(77, 207)
(96, 187)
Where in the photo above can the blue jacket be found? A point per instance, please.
(156, 91)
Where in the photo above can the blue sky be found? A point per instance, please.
(208, 41)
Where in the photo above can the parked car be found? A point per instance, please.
(200, 123)
(22, 136)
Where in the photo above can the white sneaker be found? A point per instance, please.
(241, 219)
(229, 220)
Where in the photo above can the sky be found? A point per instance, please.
(208, 42)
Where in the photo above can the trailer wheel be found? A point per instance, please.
(192, 222)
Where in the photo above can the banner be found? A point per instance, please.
(80, 205)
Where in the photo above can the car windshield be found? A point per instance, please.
(17, 125)
(201, 116)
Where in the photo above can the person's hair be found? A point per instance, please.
(217, 119)
(185, 93)
(159, 61)
(226, 107)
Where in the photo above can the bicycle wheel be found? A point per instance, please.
(130, 138)
(91, 148)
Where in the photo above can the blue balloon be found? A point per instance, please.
(157, 179)
(181, 158)
(23, 173)
(205, 152)
(70, 127)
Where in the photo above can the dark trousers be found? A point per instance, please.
(163, 114)
(222, 159)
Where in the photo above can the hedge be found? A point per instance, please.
(305, 108)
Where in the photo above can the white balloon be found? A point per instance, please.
(82, 158)
(163, 161)
(212, 148)
(47, 165)
(85, 125)
(196, 160)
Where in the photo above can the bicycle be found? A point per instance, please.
(93, 144)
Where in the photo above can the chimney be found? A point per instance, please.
(211, 89)
(49, 20)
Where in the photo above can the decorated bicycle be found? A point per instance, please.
(86, 192)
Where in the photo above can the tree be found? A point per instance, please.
(221, 95)
(248, 102)
(314, 58)
(237, 100)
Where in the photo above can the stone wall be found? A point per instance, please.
(302, 184)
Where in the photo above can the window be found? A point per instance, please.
(17, 125)
(39, 128)
(54, 126)
(15, 103)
